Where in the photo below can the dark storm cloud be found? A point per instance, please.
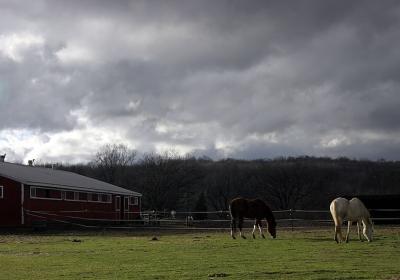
(228, 78)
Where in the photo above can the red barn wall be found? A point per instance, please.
(84, 212)
(11, 212)
(10, 204)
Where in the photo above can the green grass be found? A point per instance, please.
(293, 255)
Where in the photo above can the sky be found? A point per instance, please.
(238, 79)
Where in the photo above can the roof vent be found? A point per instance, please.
(2, 157)
(30, 162)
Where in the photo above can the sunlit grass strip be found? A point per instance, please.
(310, 254)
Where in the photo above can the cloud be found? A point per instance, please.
(227, 79)
(14, 45)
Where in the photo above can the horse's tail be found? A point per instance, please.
(334, 213)
(234, 207)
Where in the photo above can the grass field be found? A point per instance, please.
(303, 254)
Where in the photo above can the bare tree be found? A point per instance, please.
(112, 161)
(165, 180)
(289, 184)
(227, 180)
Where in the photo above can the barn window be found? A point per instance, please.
(93, 197)
(1, 191)
(69, 195)
(105, 198)
(33, 192)
(134, 200)
(42, 193)
(45, 193)
(83, 196)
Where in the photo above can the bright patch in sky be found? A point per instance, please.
(335, 142)
(75, 54)
(14, 45)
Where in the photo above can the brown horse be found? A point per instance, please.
(241, 208)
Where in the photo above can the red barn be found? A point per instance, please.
(30, 194)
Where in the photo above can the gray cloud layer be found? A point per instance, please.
(247, 79)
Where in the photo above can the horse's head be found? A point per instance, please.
(272, 229)
(368, 229)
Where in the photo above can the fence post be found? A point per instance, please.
(291, 218)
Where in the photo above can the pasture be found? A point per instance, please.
(301, 254)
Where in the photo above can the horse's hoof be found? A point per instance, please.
(233, 237)
(254, 237)
(244, 237)
(263, 236)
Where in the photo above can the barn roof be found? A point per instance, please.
(46, 177)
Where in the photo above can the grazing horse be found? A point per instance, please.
(241, 208)
(351, 211)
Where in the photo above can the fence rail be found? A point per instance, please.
(288, 218)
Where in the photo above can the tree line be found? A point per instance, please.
(184, 183)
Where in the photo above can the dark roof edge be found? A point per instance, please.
(12, 178)
(68, 187)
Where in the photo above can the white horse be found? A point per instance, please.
(351, 211)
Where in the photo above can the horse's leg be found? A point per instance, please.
(254, 228)
(365, 231)
(257, 223)
(261, 229)
(348, 231)
(338, 231)
(241, 227)
(358, 231)
(233, 227)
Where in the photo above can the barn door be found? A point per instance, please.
(126, 208)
